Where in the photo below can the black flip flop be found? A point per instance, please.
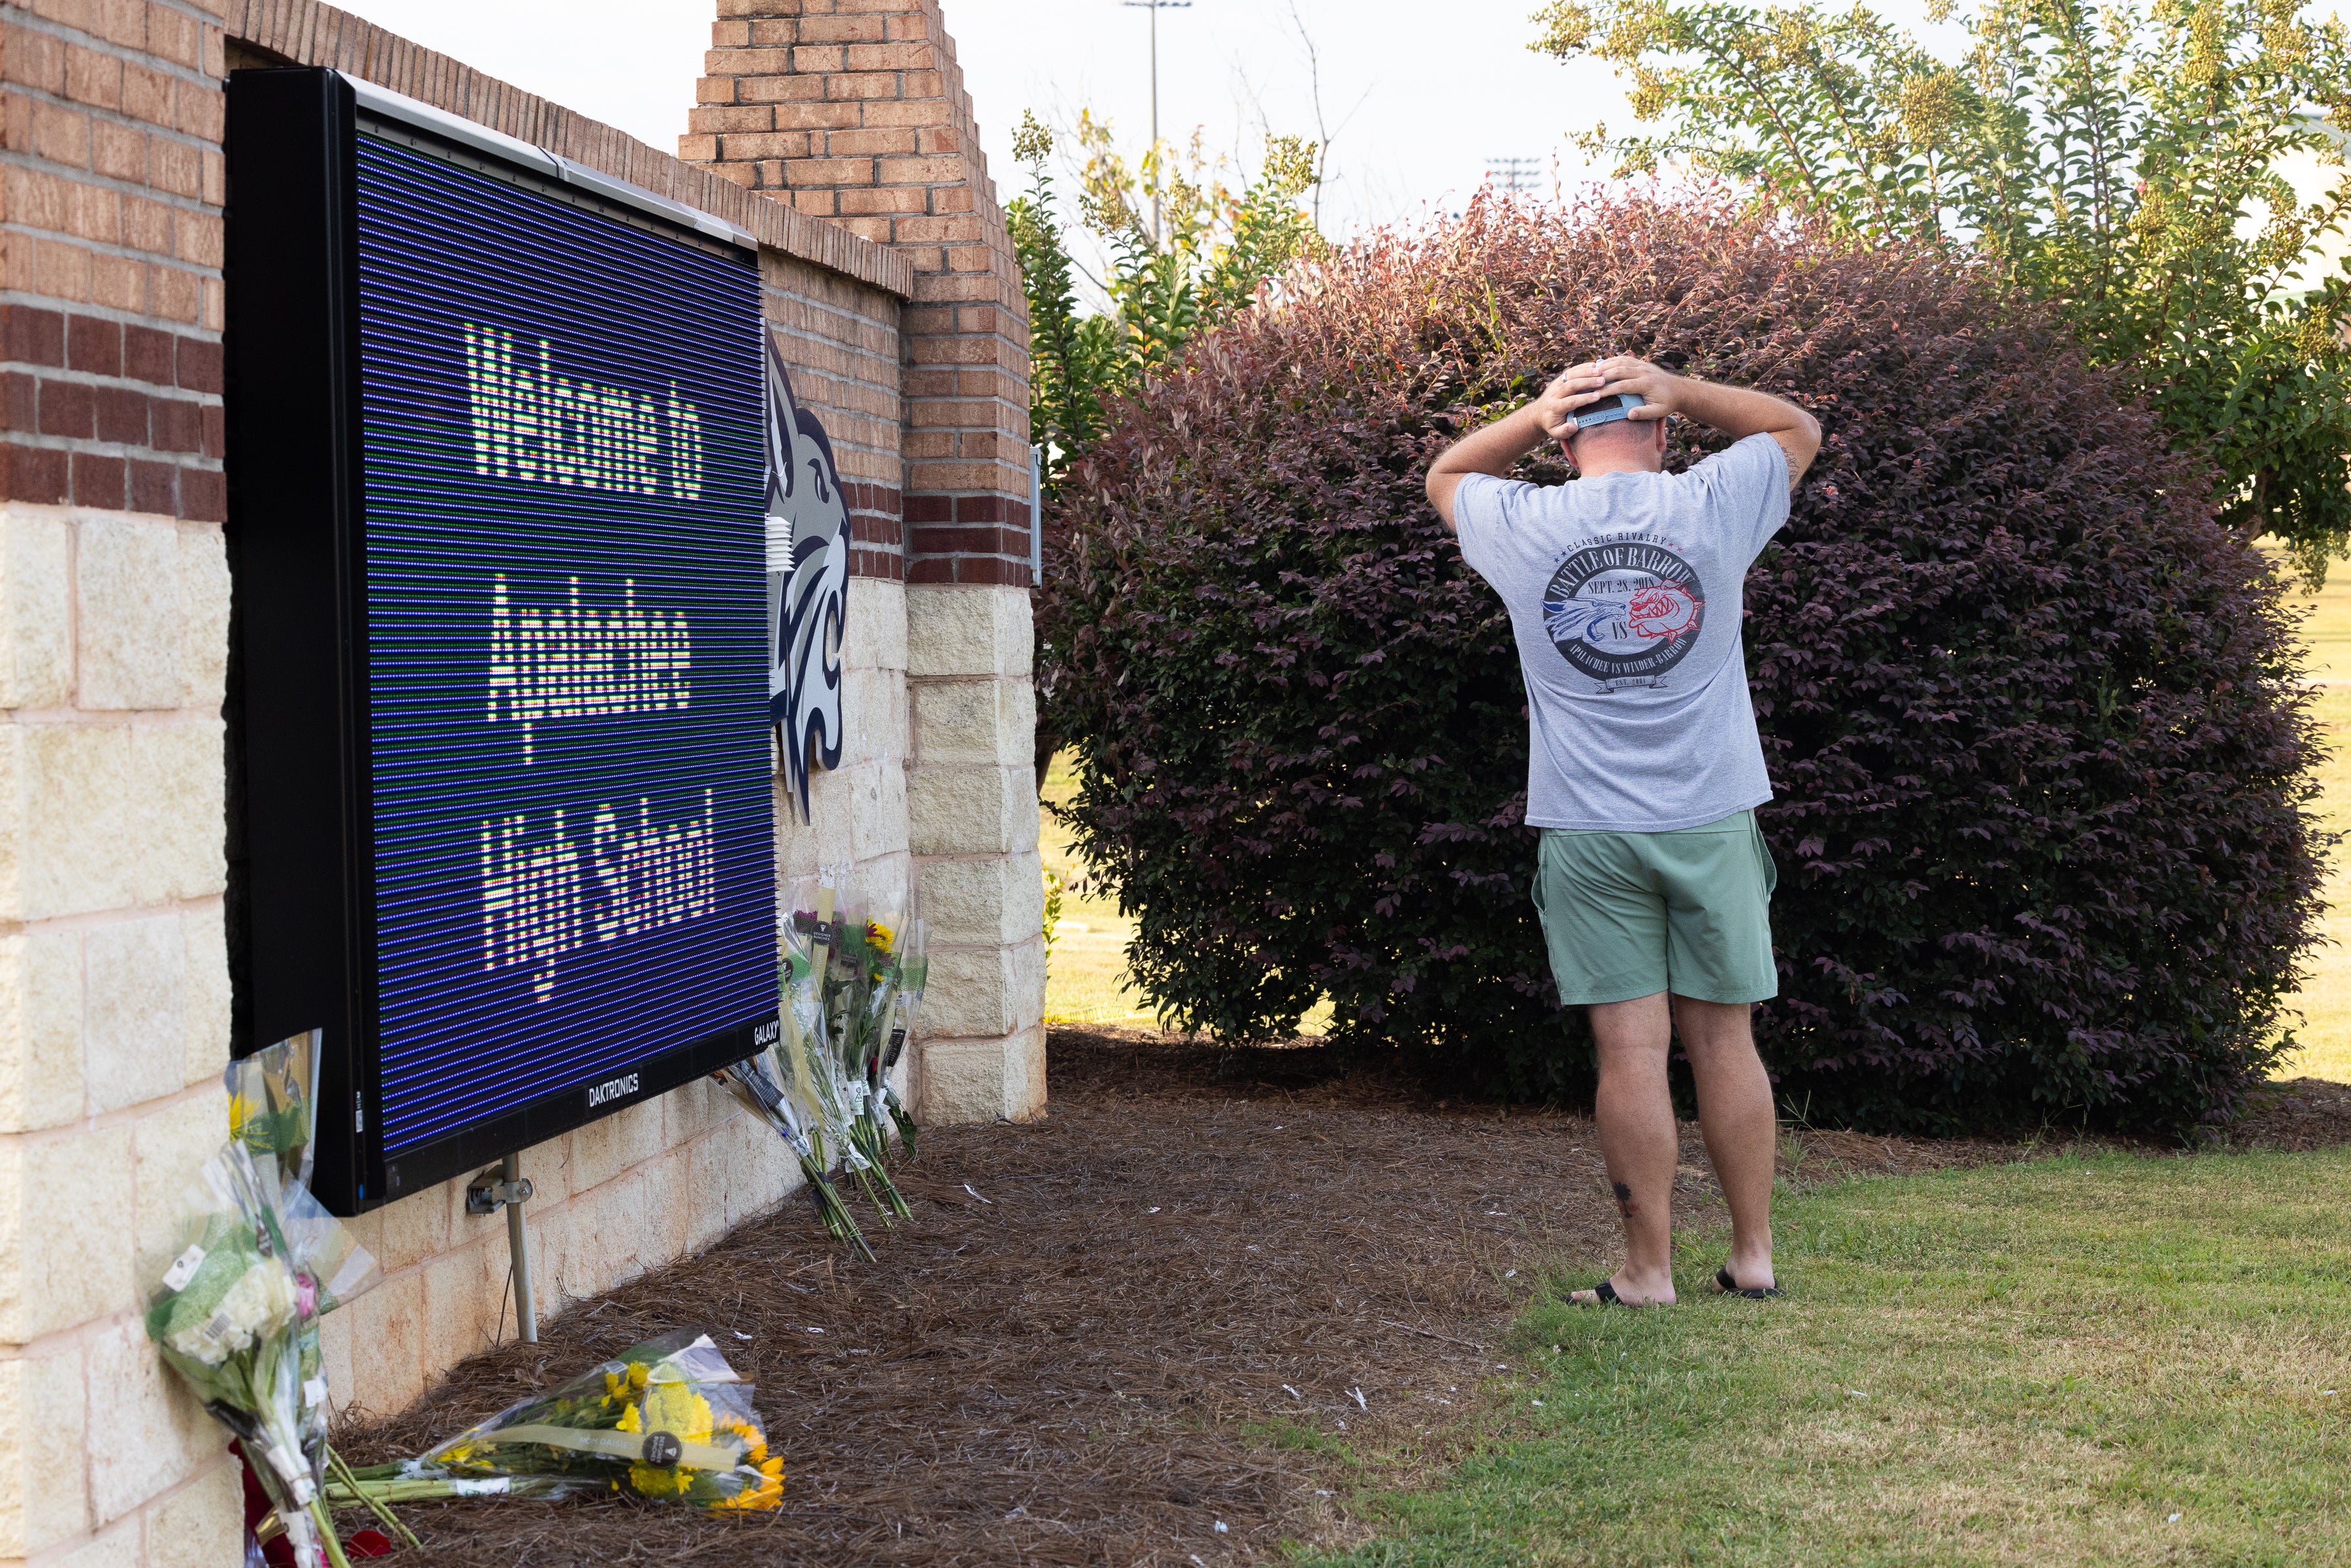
(1606, 1292)
(1730, 1287)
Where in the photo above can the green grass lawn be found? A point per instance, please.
(2325, 1032)
(2327, 628)
(2325, 1000)
(1085, 974)
(2122, 1360)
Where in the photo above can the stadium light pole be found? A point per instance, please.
(1516, 175)
(1155, 7)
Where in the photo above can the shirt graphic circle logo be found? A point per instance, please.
(1629, 609)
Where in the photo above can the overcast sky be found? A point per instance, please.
(1416, 99)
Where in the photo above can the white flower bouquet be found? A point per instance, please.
(237, 1312)
(230, 1318)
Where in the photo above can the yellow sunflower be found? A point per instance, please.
(768, 1493)
(675, 1408)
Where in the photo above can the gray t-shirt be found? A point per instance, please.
(1624, 591)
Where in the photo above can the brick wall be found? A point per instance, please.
(855, 111)
(121, 414)
(112, 219)
(841, 339)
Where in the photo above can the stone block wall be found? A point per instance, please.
(114, 1007)
(972, 824)
(113, 1018)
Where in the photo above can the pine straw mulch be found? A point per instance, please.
(1089, 1343)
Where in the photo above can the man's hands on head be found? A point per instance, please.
(1554, 407)
(1735, 411)
(1580, 386)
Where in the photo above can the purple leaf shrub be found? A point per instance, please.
(2041, 768)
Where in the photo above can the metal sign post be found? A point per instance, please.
(1036, 516)
(484, 1195)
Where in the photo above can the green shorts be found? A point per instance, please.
(1631, 915)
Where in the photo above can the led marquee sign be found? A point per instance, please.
(498, 523)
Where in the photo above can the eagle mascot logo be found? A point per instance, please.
(807, 585)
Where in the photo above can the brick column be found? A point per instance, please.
(854, 111)
(114, 1001)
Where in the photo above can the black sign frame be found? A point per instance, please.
(301, 910)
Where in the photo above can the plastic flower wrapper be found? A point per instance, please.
(822, 1083)
(860, 992)
(758, 1084)
(273, 1098)
(667, 1420)
(807, 1076)
(913, 975)
(331, 1267)
(229, 1318)
(788, 1085)
(851, 1036)
(273, 1101)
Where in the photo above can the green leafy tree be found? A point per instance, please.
(1209, 252)
(1069, 353)
(2120, 164)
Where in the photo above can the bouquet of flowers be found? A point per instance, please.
(849, 986)
(860, 990)
(666, 1420)
(913, 973)
(238, 1315)
(786, 1084)
(273, 1115)
(808, 937)
(759, 1084)
(230, 1318)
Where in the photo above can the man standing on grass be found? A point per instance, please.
(1644, 769)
